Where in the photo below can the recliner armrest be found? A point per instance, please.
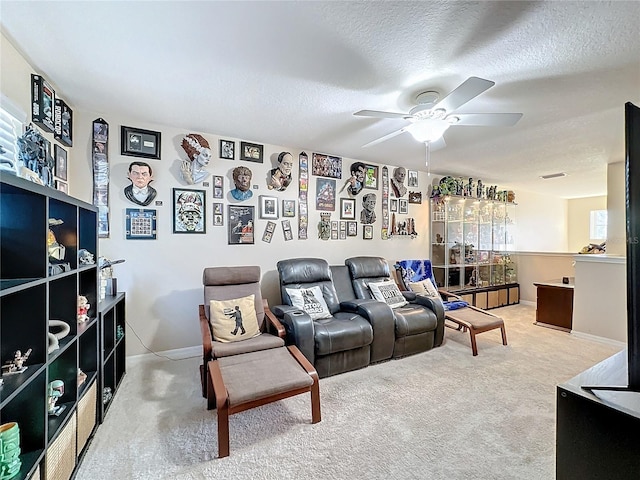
(434, 304)
(382, 320)
(408, 295)
(299, 327)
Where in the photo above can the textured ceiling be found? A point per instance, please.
(293, 73)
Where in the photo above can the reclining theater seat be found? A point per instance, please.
(339, 338)
(419, 325)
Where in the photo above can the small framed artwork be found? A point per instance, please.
(189, 211)
(371, 177)
(393, 204)
(61, 162)
(412, 178)
(251, 152)
(218, 190)
(136, 142)
(62, 186)
(403, 205)
(367, 232)
(217, 181)
(267, 236)
(286, 229)
(352, 229)
(348, 208)
(240, 224)
(415, 197)
(326, 166)
(217, 208)
(288, 208)
(227, 149)
(63, 120)
(141, 224)
(218, 219)
(268, 207)
(343, 226)
(42, 102)
(325, 194)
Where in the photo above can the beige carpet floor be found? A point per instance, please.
(442, 414)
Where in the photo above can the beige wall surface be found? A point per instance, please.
(162, 278)
(600, 297)
(579, 210)
(541, 267)
(616, 201)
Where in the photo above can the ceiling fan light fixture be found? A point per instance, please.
(428, 129)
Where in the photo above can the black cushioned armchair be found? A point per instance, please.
(356, 333)
(419, 325)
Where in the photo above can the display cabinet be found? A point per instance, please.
(42, 230)
(113, 349)
(472, 248)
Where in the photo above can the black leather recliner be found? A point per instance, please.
(419, 325)
(346, 340)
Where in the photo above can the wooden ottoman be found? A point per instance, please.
(248, 380)
(476, 321)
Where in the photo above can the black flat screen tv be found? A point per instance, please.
(632, 192)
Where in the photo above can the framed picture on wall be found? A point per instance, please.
(189, 211)
(352, 229)
(371, 177)
(288, 208)
(412, 178)
(61, 162)
(403, 205)
(240, 224)
(251, 152)
(137, 142)
(367, 232)
(227, 149)
(141, 224)
(268, 207)
(348, 208)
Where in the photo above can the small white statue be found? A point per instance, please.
(83, 309)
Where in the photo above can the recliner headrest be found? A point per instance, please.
(230, 275)
(304, 270)
(366, 267)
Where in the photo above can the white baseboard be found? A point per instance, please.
(594, 338)
(175, 354)
(528, 302)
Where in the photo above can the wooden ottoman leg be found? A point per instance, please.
(222, 404)
(504, 334)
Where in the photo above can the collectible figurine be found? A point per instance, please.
(85, 257)
(55, 390)
(140, 191)
(397, 182)
(199, 153)
(83, 309)
(368, 215)
(17, 364)
(280, 177)
(242, 179)
(355, 183)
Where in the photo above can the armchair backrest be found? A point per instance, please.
(411, 271)
(227, 283)
(364, 270)
(305, 273)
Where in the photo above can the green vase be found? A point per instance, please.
(10, 462)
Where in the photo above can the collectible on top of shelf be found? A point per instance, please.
(17, 364)
(63, 123)
(42, 102)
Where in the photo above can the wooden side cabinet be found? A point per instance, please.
(112, 350)
(554, 305)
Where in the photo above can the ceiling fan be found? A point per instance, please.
(432, 116)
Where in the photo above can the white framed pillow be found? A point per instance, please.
(387, 292)
(425, 287)
(310, 300)
(234, 320)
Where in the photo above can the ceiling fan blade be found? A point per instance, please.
(382, 139)
(488, 119)
(470, 88)
(379, 114)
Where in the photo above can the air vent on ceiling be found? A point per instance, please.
(553, 175)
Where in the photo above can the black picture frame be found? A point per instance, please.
(251, 152)
(63, 123)
(60, 155)
(288, 208)
(326, 165)
(241, 224)
(403, 205)
(136, 142)
(141, 224)
(189, 211)
(352, 229)
(227, 149)
(348, 208)
(371, 176)
(43, 98)
(367, 232)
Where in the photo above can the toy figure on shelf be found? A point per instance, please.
(85, 257)
(83, 309)
(17, 364)
(55, 390)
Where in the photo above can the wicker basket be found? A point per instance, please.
(86, 415)
(36, 474)
(61, 454)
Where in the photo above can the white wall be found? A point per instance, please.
(541, 267)
(542, 223)
(616, 213)
(579, 210)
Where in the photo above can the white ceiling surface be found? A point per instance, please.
(293, 73)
